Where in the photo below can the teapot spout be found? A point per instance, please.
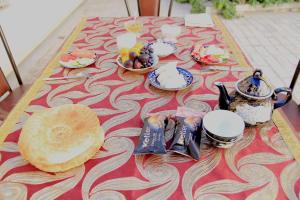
(224, 98)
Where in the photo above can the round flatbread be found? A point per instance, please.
(61, 138)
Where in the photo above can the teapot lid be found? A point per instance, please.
(254, 86)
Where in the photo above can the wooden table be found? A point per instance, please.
(259, 166)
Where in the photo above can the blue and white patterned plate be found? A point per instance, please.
(188, 77)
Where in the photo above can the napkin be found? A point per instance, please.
(198, 20)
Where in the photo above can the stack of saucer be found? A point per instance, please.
(223, 128)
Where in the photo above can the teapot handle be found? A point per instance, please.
(282, 102)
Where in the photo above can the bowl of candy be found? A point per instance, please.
(140, 59)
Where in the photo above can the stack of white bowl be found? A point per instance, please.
(223, 128)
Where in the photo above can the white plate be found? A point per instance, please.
(67, 65)
(171, 45)
(203, 52)
(224, 123)
(219, 144)
(223, 142)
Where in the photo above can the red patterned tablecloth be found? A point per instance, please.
(260, 166)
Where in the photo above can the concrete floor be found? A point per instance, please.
(271, 41)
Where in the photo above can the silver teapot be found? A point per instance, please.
(253, 99)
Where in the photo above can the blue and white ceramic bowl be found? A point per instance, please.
(188, 77)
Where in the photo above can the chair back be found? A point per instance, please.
(149, 7)
(4, 86)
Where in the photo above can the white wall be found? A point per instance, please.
(27, 23)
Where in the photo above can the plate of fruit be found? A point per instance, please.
(209, 54)
(139, 59)
(78, 59)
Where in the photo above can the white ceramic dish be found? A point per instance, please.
(218, 143)
(74, 66)
(163, 48)
(223, 123)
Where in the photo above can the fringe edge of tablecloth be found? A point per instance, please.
(287, 134)
(17, 111)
